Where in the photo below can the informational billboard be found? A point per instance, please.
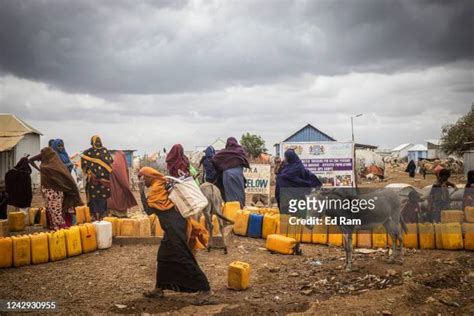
(258, 179)
(331, 162)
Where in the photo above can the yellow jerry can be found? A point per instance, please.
(115, 224)
(145, 227)
(32, 211)
(80, 215)
(39, 248)
(88, 238)
(320, 234)
(379, 237)
(410, 238)
(451, 234)
(4, 228)
(87, 214)
(468, 232)
(426, 235)
(335, 237)
(43, 218)
(294, 231)
(57, 245)
(73, 241)
(21, 251)
(270, 224)
(230, 209)
(469, 214)
(16, 221)
(6, 252)
(129, 227)
(241, 222)
(238, 277)
(283, 224)
(364, 239)
(452, 216)
(438, 236)
(281, 244)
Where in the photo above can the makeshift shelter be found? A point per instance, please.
(417, 152)
(17, 139)
(368, 162)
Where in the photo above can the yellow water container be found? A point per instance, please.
(379, 237)
(281, 244)
(468, 232)
(335, 237)
(6, 252)
(238, 277)
(253, 209)
(294, 231)
(320, 234)
(57, 245)
(410, 238)
(241, 222)
(230, 209)
(451, 234)
(16, 221)
(115, 224)
(43, 218)
(452, 216)
(32, 211)
(80, 215)
(215, 224)
(129, 227)
(270, 224)
(438, 236)
(426, 236)
(21, 251)
(87, 214)
(4, 228)
(364, 239)
(73, 241)
(469, 214)
(283, 224)
(145, 227)
(39, 248)
(88, 237)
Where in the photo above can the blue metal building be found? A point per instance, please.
(308, 133)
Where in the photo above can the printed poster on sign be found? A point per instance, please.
(331, 162)
(258, 179)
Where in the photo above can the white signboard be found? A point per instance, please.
(331, 162)
(258, 179)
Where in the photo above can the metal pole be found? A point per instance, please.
(352, 127)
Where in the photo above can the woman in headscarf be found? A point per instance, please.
(468, 197)
(18, 184)
(230, 163)
(293, 181)
(439, 197)
(411, 169)
(176, 162)
(121, 198)
(210, 174)
(177, 268)
(97, 165)
(58, 146)
(59, 190)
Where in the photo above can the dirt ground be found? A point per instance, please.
(113, 280)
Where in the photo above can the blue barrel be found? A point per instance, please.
(255, 226)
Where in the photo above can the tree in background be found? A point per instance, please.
(455, 136)
(254, 145)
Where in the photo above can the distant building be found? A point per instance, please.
(128, 155)
(308, 133)
(417, 152)
(365, 147)
(401, 151)
(434, 149)
(17, 140)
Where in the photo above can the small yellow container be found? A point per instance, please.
(145, 227)
(426, 235)
(6, 252)
(16, 221)
(230, 210)
(73, 241)
(379, 237)
(410, 238)
(270, 224)
(57, 245)
(32, 211)
(43, 218)
(320, 234)
(21, 251)
(451, 234)
(469, 214)
(281, 244)
(88, 238)
(468, 232)
(452, 216)
(283, 225)
(4, 228)
(241, 222)
(83, 214)
(129, 227)
(335, 237)
(39, 248)
(238, 277)
(364, 239)
(438, 236)
(115, 224)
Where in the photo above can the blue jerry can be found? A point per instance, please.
(255, 226)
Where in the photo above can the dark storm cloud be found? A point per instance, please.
(139, 47)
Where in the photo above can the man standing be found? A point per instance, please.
(96, 164)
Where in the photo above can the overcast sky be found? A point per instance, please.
(148, 74)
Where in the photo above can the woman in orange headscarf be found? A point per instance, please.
(177, 268)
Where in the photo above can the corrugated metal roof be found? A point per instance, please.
(7, 143)
(433, 141)
(402, 146)
(309, 133)
(10, 125)
(418, 147)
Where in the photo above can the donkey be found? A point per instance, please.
(214, 207)
(386, 212)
